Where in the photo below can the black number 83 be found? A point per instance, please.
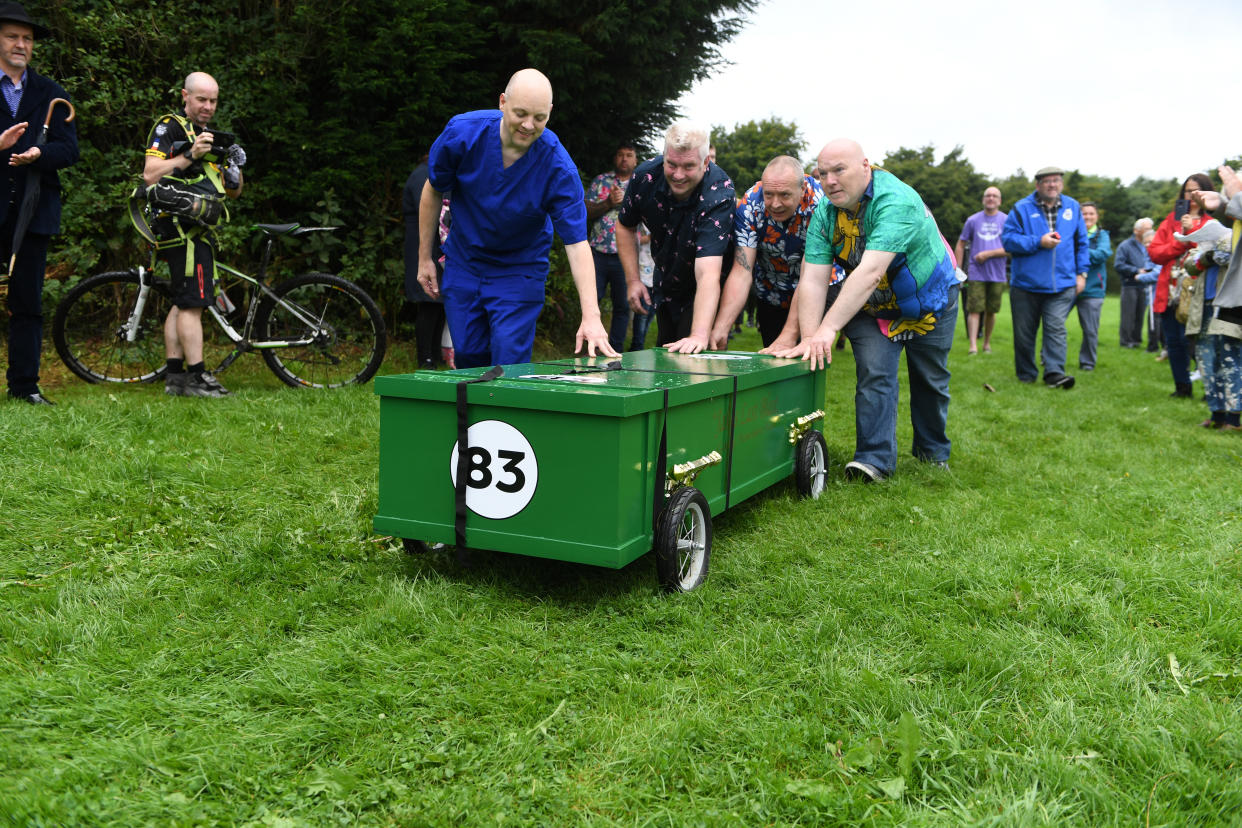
(479, 472)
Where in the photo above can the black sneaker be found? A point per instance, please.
(203, 385)
(1064, 381)
(174, 384)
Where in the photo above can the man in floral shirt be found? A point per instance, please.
(899, 295)
(603, 201)
(770, 229)
(687, 203)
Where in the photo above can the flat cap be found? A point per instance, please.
(1048, 171)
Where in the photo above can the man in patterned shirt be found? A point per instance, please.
(687, 203)
(603, 201)
(899, 294)
(770, 229)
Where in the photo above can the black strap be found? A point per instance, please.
(615, 365)
(463, 454)
(661, 471)
(729, 455)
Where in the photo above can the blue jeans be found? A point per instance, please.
(1028, 310)
(1175, 343)
(1220, 361)
(877, 359)
(610, 276)
(642, 321)
(1089, 321)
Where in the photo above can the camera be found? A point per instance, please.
(221, 141)
(1181, 208)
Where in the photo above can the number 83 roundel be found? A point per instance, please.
(501, 470)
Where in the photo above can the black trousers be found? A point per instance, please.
(771, 319)
(428, 330)
(25, 303)
(675, 318)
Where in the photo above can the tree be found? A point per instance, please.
(745, 150)
(951, 189)
(334, 101)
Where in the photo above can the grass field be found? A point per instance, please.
(200, 628)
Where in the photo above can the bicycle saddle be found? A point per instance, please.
(290, 229)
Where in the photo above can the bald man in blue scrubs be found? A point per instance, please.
(510, 182)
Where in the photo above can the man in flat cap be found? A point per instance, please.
(27, 97)
(1047, 238)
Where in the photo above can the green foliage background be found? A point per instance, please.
(335, 101)
(746, 149)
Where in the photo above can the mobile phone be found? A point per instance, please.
(1181, 208)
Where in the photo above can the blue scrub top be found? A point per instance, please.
(503, 218)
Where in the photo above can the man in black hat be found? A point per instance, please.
(27, 96)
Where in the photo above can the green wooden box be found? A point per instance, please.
(563, 456)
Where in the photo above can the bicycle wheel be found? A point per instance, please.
(90, 325)
(346, 332)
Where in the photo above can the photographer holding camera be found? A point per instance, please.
(188, 171)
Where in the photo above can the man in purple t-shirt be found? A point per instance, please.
(985, 281)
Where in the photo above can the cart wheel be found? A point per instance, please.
(811, 465)
(683, 543)
(417, 547)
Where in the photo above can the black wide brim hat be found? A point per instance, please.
(16, 13)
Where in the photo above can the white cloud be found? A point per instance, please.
(1110, 88)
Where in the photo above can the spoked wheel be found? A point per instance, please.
(91, 324)
(346, 332)
(683, 543)
(811, 464)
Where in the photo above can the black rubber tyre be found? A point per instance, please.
(811, 464)
(683, 541)
(88, 329)
(349, 345)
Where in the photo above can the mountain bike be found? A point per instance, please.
(316, 330)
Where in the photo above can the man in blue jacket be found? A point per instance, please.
(1047, 239)
(27, 96)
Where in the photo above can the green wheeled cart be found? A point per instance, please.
(595, 461)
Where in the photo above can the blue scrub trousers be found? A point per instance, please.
(491, 318)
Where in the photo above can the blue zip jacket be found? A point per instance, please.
(1045, 270)
(1100, 248)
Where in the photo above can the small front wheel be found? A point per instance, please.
(92, 329)
(339, 334)
(811, 464)
(683, 542)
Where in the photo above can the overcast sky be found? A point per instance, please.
(1106, 87)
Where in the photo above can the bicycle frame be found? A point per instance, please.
(240, 339)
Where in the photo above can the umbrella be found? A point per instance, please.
(33, 183)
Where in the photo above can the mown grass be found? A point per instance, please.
(200, 627)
